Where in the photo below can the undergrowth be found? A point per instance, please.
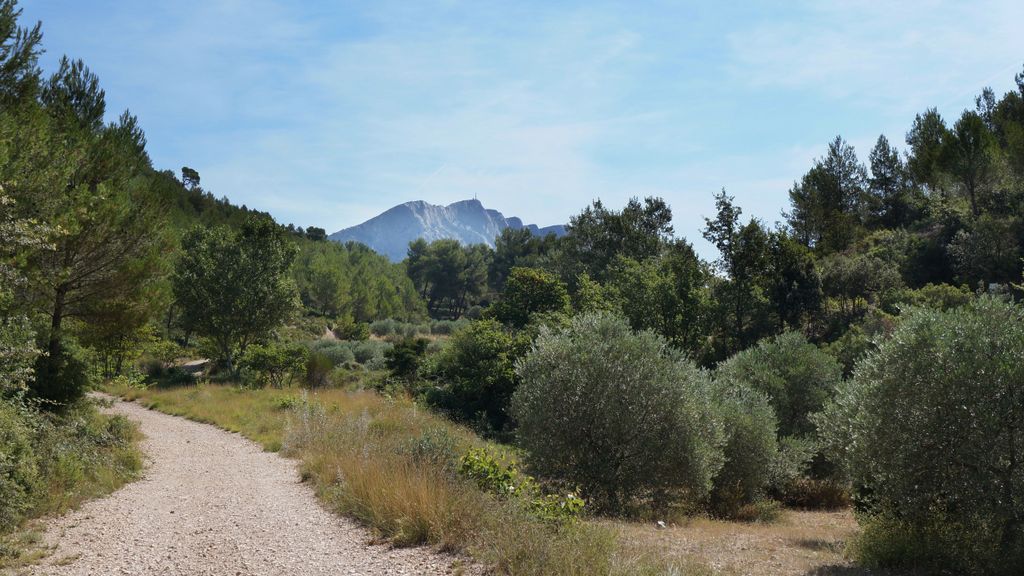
(51, 463)
(395, 468)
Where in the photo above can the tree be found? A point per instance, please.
(530, 291)
(405, 357)
(616, 412)
(969, 149)
(744, 259)
(18, 349)
(930, 428)
(275, 364)
(750, 447)
(233, 285)
(826, 202)
(316, 234)
(516, 248)
(86, 180)
(927, 141)
(452, 277)
(889, 195)
(797, 377)
(666, 294)
(189, 178)
(597, 235)
(475, 372)
(19, 53)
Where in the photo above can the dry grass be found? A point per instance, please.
(390, 464)
(800, 543)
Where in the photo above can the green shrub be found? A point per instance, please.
(929, 427)
(60, 379)
(318, 370)
(475, 371)
(501, 476)
(19, 471)
(797, 377)
(274, 364)
(620, 414)
(384, 328)
(338, 353)
(530, 291)
(447, 327)
(348, 329)
(750, 447)
(370, 350)
(403, 360)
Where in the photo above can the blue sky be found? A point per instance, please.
(326, 113)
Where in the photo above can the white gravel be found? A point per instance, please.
(212, 503)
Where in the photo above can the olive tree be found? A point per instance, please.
(796, 375)
(751, 450)
(619, 413)
(932, 428)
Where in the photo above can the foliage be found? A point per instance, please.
(501, 476)
(530, 291)
(274, 364)
(18, 349)
(52, 462)
(475, 374)
(351, 281)
(233, 286)
(928, 427)
(797, 377)
(318, 369)
(19, 467)
(618, 413)
(750, 448)
(597, 235)
(347, 329)
(405, 357)
(450, 276)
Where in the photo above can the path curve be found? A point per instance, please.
(212, 503)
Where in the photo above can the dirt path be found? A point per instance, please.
(212, 503)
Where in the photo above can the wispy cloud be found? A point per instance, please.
(326, 113)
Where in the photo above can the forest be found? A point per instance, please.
(864, 352)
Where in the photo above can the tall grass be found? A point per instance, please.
(392, 465)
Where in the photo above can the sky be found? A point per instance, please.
(326, 113)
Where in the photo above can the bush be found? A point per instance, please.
(274, 364)
(382, 328)
(19, 471)
(750, 448)
(797, 377)
(318, 370)
(476, 374)
(618, 413)
(403, 360)
(530, 291)
(368, 351)
(338, 353)
(929, 428)
(501, 476)
(62, 379)
(447, 327)
(348, 329)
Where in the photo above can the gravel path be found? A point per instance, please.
(212, 503)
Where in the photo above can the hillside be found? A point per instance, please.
(466, 221)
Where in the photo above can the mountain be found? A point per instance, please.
(466, 221)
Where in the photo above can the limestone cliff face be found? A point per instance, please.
(466, 221)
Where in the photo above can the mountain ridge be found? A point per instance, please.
(467, 221)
